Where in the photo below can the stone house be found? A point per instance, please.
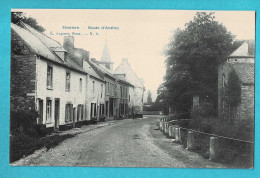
(138, 83)
(110, 89)
(43, 74)
(236, 84)
(95, 94)
(120, 93)
(95, 85)
(125, 90)
(62, 84)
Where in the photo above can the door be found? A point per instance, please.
(40, 121)
(57, 114)
(106, 108)
(74, 116)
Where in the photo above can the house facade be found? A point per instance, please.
(95, 84)
(236, 84)
(95, 94)
(63, 85)
(111, 92)
(44, 75)
(124, 104)
(138, 83)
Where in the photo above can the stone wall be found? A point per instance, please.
(247, 102)
(245, 108)
(23, 75)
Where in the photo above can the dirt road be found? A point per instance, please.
(127, 143)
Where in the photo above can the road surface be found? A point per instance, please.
(127, 143)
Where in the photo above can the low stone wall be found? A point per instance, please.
(151, 112)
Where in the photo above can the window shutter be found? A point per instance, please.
(95, 109)
(71, 112)
(78, 112)
(82, 111)
(66, 113)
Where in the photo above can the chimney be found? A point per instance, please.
(68, 43)
(93, 60)
(125, 60)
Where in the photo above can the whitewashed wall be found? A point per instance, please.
(59, 73)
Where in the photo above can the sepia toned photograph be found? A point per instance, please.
(132, 88)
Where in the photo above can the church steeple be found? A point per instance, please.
(105, 58)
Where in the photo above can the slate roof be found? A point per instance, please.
(45, 39)
(125, 68)
(247, 49)
(245, 72)
(123, 80)
(251, 47)
(103, 69)
(44, 45)
(88, 68)
(35, 43)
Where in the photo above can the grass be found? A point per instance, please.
(232, 152)
(22, 145)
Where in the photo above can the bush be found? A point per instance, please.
(24, 121)
(22, 145)
(234, 152)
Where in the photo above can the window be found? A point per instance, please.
(102, 109)
(111, 89)
(80, 85)
(67, 81)
(49, 77)
(80, 112)
(223, 80)
(93, 86)
(40, 118)
(108, 91)
(101, 90)
(48, 110)
(68, 112)
(93, 111)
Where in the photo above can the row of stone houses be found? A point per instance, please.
(64, 85)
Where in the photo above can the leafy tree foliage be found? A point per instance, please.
(17, 17)
(193, 55)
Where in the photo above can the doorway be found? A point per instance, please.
(57, 114)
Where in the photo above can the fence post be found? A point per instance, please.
(160, 124)
(163, 125)
(166, 128)
(170, 131)
(213, 148)
(178, 134)
(173, 131)
(190, 140)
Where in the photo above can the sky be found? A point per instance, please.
(139, 35)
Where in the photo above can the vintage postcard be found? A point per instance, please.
(132, 88)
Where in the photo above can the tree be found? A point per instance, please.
(17, 17)
(193, 55)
